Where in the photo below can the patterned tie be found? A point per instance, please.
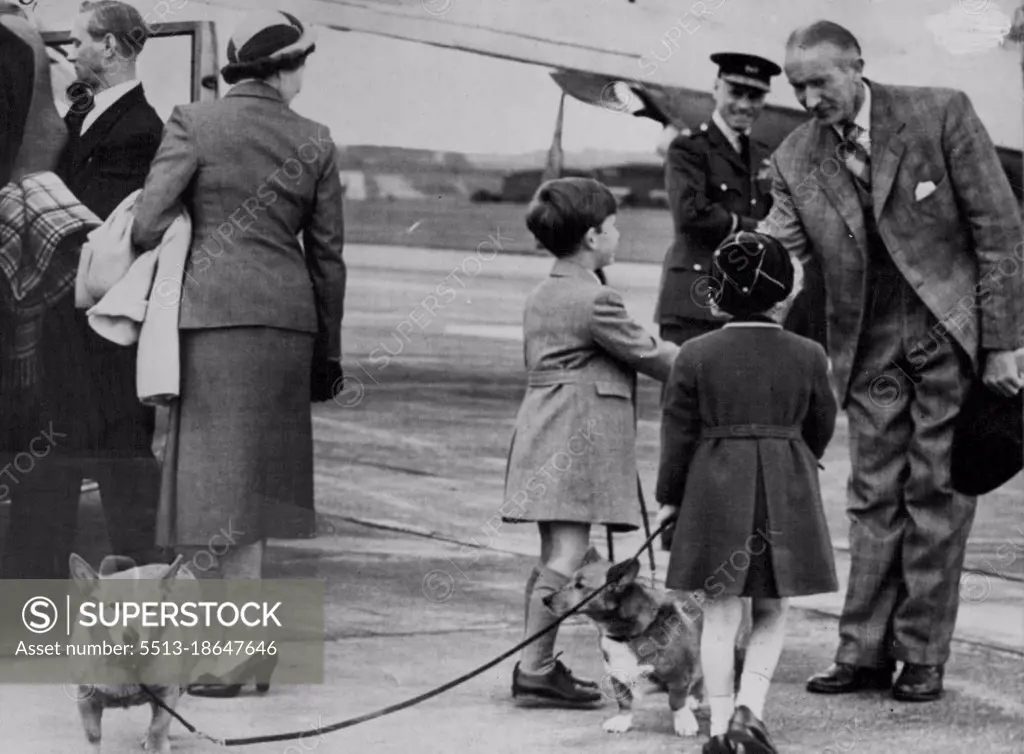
(81, 102)
(856, 157)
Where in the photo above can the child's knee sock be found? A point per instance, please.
(530, 583)
(766, 638)
(538, 657)
(721, 624)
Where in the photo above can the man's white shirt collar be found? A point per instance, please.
(106, 99)
(730, 134)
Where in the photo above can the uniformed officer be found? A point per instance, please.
(717, 181)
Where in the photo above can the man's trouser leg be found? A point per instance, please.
(908, 528)
(130, 493)
(43, 521)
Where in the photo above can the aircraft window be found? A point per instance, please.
(165, 69)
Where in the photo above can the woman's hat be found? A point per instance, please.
(269, 35)
(752, 272)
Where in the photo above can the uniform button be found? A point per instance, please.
(697, 268)
(724, 187)
(753, 202)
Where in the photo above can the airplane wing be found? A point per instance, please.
(954, 43)
(961, 44)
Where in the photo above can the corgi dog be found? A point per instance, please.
(94, 699)
(649, 641)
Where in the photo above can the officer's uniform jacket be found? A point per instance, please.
(711, 194)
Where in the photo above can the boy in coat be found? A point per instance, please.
(748, 411)
(573, 457)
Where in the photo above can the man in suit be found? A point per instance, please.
(899, 193)
(113, 135)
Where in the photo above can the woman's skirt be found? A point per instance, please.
(243, 458)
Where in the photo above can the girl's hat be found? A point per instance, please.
(752, 273)
(268, 36)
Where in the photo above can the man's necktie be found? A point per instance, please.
(82, 102)
(856, 157)
(745, 149)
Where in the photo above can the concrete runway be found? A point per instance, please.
(422, 585)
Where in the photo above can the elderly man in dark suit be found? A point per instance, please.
(113, 135)
(898, 191)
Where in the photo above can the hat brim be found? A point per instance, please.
(736, 78)
(988, 443)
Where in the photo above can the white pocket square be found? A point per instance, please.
(923, 189)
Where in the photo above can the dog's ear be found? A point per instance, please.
(83, 574)
(623, 574)
(591, 556)
(116, 564)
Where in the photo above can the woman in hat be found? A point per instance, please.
(260, 310)
(748, 412)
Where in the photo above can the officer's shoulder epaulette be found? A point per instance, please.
(701, 130)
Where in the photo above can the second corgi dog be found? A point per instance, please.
(648, 640)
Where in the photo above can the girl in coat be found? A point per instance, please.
(572, 463)
(749, 410)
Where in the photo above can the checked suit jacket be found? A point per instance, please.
(956, 246)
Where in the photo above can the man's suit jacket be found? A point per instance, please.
(112, 158)
(102, 167)
(253, 175)
(959, 247)
(707, 183)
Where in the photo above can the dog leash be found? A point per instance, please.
(614, 575)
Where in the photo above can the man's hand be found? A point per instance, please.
(1001, 373)
(667, 513)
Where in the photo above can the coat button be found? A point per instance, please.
(697, 268)
(725, 187)
(753, 202)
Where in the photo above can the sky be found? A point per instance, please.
(373, 90)
(384, 91)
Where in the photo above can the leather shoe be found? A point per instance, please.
(918, 683)
(748, 732)
(556, 688)
(843, 678)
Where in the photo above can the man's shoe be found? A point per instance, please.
(555, 688)
(918, 683)
(843, 678)
(746, 730)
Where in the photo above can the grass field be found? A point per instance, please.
(459, 225)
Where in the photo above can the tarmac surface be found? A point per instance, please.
(422, 584)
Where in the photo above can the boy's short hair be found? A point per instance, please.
(564, 209)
